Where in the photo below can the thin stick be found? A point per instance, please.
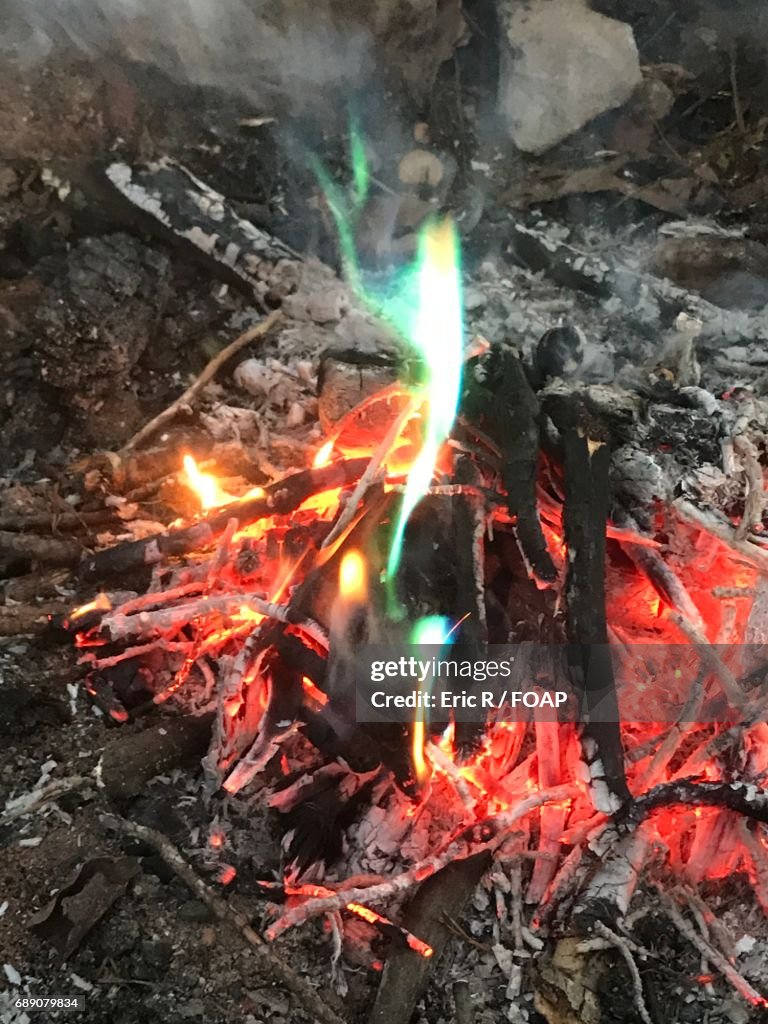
(210, 371)
(268, 962)
(713, 955)
(623, 946)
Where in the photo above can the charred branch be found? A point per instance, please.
(586, 468)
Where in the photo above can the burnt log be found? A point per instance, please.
(99, 313)
(129, 762)
(440, 899)
(202, 218)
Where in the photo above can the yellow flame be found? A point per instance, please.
(101, 603)
(323, 456)
(353, 577)
(434, 630)
(205, 486)
(421, 767)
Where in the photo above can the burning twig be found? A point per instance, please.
(280, 498)
(711, 523)
(184, 401)
(686, 615)
(405, 975)
(372, 917)
(371, 470)
(118, 626)
(272, 965)
(458, 849)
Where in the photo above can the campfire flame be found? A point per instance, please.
(424, 303)
(207, 488)
(437, 333)
(353, 577)
(215, 611)
(434, 630)
(204, 485)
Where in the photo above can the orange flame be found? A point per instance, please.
(100, 603)
(313, 691)
(353, 577)
(421, 766)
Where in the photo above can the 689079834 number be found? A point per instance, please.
(31, 1003)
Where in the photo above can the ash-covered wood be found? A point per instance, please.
(202, 217)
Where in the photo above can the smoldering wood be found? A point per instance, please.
(345, 378)
(129, 762)
(506, 406)
(586, 465)
(743, 797)
(280, 498)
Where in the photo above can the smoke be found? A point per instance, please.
(256, 48)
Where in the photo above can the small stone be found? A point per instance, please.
(420, 167)
(157, 953)
(196, 911)
(192, 1008)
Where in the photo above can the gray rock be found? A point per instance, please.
(565, 65)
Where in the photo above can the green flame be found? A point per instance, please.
(423, 303)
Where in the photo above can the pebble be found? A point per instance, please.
(196, 911)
